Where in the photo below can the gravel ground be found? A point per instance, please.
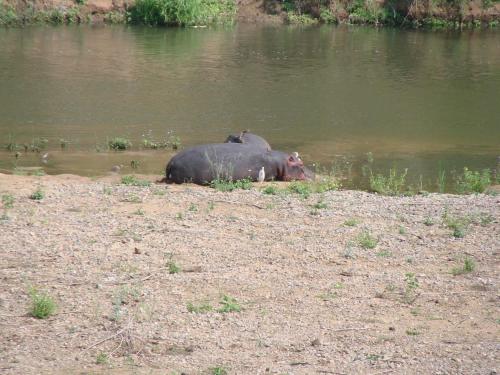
(313, 300)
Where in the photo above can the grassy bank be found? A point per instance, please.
(430, 13)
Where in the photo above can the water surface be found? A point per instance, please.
(415, 99)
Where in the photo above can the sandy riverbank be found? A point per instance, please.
(313, 299)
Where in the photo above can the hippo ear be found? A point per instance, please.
(294, 162)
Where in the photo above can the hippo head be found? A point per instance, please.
(295, 170)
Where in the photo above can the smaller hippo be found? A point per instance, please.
(231, 161)
(247, 138)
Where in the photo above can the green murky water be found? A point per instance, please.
(415, 99)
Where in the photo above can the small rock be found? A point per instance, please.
(137, 250)
(391, 328)
(316, 342)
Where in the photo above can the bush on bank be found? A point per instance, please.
(182, 12)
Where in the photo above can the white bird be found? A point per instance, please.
(45, 158)
(262, 175)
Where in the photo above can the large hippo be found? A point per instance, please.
(247, 138)
(233, 161)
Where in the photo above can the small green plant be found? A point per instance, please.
(485, 219)
(224, 185)
(193, 207)
(64, 143)
(102, 358)
(366, 240)
(8, 200)
(441, 180)
(412, 332)
(42, 305)
(458, 224)
(210, 205)
(134, 164)
(384, 254)
(402, 230)
(429, 221)
(134, 181)
(173, 268)
(392, 184)
(468, 266)
(300, 19)
(473, 181)
(410, 288)
(37, 195)
(159, 192)
(320, 205)
(229, 304)
(219, 370)
(302, 188)
(270, 190)
(199, 309)
(179, 216)
(119, 143)
(351, 222)
(139, 212)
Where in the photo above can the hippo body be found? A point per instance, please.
(247, 138)
(233, 161)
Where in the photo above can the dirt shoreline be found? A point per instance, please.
(313, 300)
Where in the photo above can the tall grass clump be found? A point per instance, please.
(42, 305)
(182, 12)
(392, 184)
(119, 143)
(473, 181)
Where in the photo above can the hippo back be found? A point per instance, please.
(247, 138)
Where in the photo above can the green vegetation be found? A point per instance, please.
(134, 181)
(366, 240)
(392, 184)
(429, 221)
(271, 190)
(225, 185)
(473, 181)
(412, 332)
(42, 305)
(219, 370)
(229, 304)
(37, 195)
(384, 254)
(7, 200)
(173, 268)
(173, 142)
(441, 180)
(182, 12)
(199, 309)
(468, 266)
(119, 143)
(102, 359)
(458, 224)
(410, 288)
(320, 205)
(351, 222)
(306, 188)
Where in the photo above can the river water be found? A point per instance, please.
(413, 99)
